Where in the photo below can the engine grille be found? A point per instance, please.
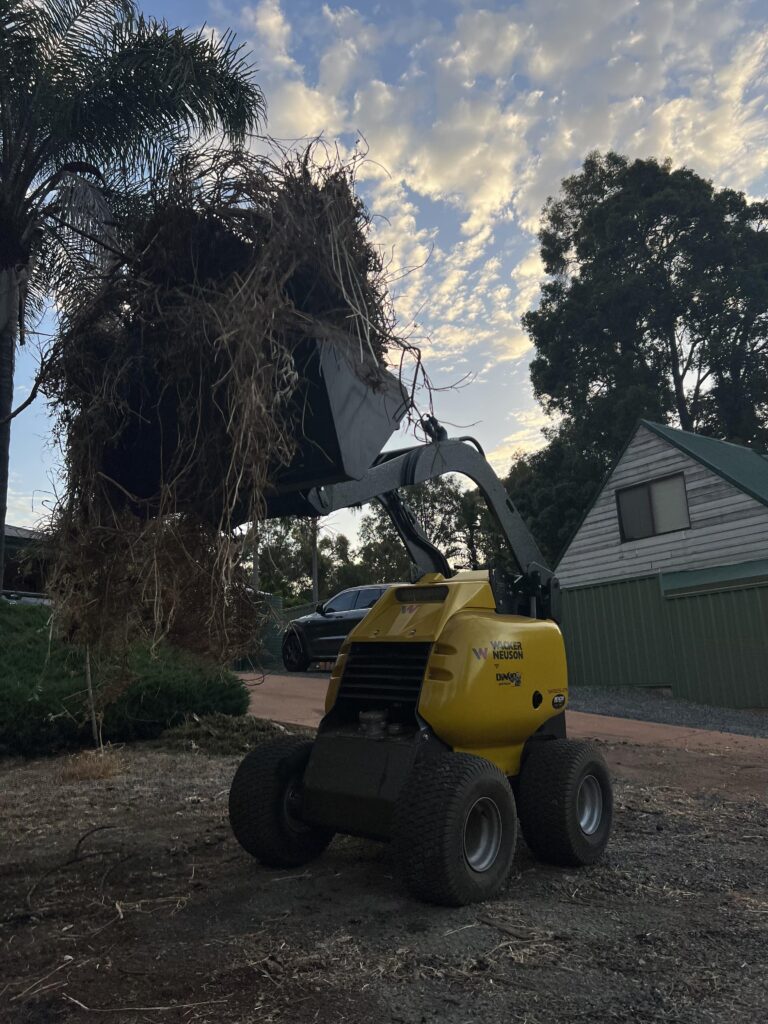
(379, 675)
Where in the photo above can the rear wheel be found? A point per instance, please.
(565, 802)
(455, 830)
(265, 805)
(295, 656)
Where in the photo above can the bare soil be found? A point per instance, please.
(126, 899)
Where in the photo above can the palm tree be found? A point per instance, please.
(90, 90)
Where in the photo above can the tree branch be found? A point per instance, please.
(34, 392)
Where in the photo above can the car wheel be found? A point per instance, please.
(295, 656)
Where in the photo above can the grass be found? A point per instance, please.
(92, 765)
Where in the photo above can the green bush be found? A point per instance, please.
(43, 698)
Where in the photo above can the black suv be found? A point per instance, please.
(319, 635)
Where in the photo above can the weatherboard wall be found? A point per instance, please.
(727, 525)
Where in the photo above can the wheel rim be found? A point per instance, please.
(292, 807)
(482, 834)
(589, 805)
(292, 649)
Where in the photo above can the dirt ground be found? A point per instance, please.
(127, 899)
(644, 751)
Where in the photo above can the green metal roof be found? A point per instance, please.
(740, 466)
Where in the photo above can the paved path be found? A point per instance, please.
(692, 758)
(294, 700)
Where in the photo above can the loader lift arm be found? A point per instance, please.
(533, 591)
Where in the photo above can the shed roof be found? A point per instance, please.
(743, 467)
(21, 533)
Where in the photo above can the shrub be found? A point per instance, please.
(43, 698)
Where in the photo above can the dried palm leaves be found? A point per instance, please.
(174, 388)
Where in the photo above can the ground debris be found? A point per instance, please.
(171, 921)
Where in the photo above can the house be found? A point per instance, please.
(665, 581)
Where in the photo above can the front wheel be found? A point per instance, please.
(455, 830)
(565, 802)
(265, 805)
(295, 656)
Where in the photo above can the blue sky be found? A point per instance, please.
(472, 113)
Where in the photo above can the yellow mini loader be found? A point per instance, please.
(445, 713)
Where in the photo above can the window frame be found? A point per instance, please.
(649, 484)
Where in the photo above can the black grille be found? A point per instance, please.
(380, 675)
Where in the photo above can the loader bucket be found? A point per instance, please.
(344, 411)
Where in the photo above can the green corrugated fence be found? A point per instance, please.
(269, 655)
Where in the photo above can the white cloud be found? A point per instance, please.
(487, 42)
(272, 33)
(473, 117)
(527, 438)
(25, 508)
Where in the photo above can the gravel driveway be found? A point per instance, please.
(650, 706)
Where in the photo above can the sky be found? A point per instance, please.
(469, 115)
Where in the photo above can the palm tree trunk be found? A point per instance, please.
(9, 324)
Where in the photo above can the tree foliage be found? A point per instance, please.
(657, 303)
(552, 487)
(454, 518)
(656, 306)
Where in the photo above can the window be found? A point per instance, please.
(368, 597)
(342, 602)
(660, 506)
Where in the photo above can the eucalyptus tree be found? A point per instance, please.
(656, 303)
(92, 93)
(655, 306)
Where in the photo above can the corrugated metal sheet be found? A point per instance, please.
(721, 646)
(708, 646)
(616, 634)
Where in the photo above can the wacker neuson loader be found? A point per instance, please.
(445, 712)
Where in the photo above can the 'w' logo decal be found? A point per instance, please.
(481, 653)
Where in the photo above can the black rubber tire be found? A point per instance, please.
(258, 810)
(547, 802)
(294, 651)
(429, 826)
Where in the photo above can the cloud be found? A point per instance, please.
(271, 32)
(25, 508)
(527, 438)
(473, 116)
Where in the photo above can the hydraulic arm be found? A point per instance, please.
(532, 591)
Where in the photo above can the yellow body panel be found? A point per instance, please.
(492, 680)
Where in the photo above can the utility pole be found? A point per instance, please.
(255, 574)
(315, 582)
